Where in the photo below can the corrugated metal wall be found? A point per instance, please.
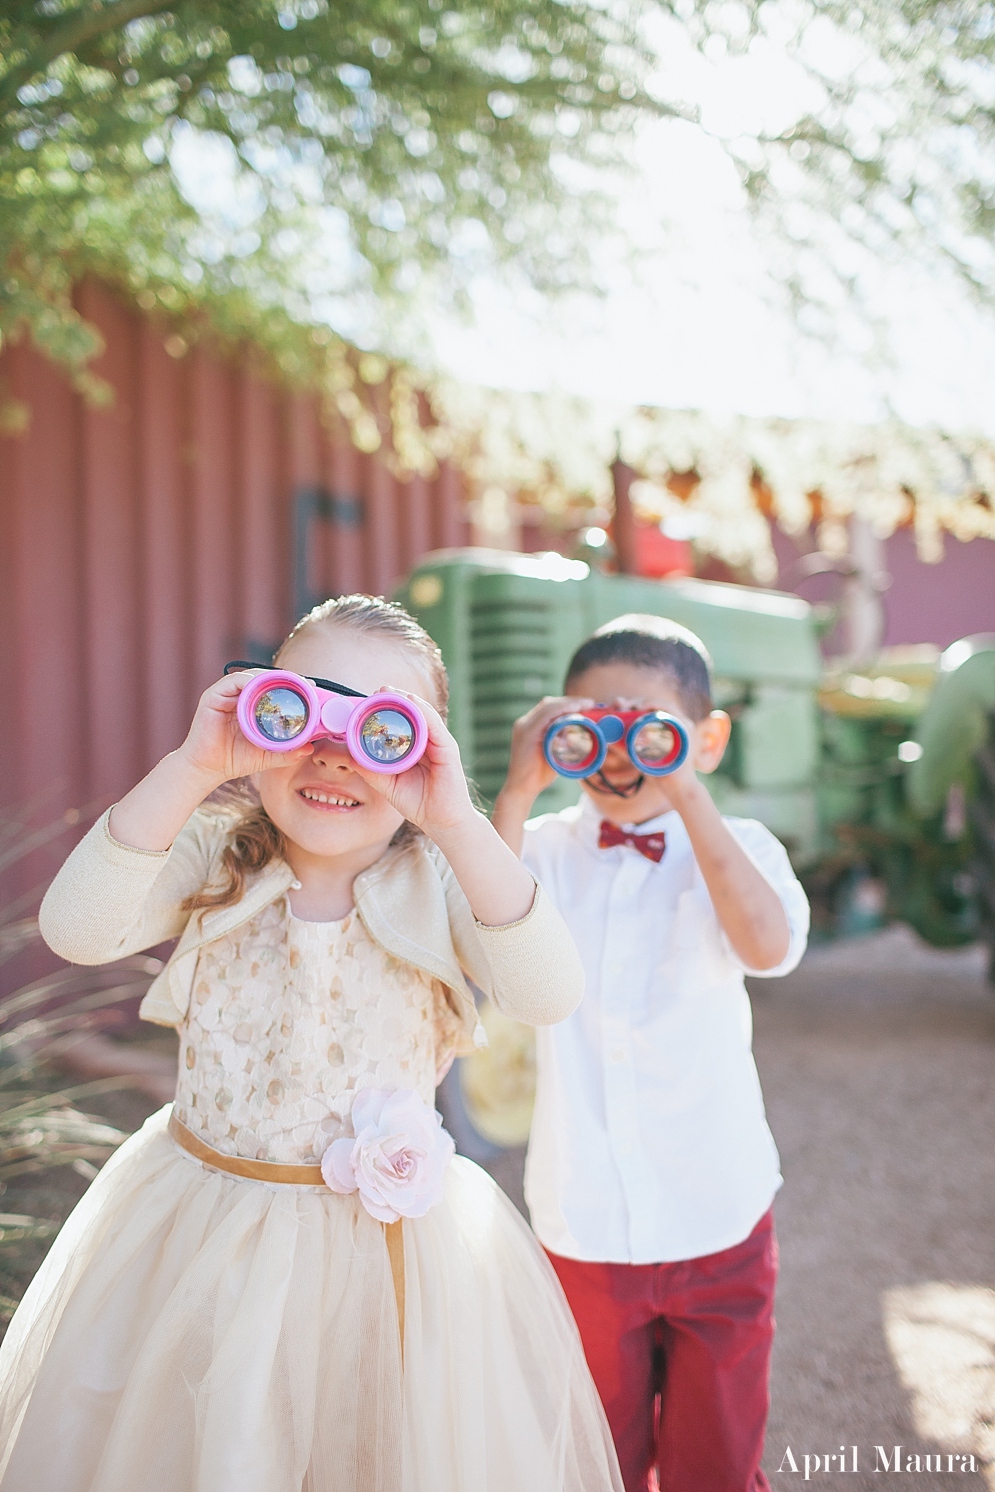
(143, 545)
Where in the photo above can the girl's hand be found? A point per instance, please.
(432, 794)
(215, 751)
(215, 746)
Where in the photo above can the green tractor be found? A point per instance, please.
(879, 778)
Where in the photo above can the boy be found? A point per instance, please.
(651, 1170)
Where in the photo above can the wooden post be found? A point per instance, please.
(624, 523)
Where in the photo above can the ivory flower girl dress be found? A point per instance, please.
(197, 1331)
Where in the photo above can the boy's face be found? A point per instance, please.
(627, 686)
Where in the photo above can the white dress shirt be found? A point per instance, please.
(649, 1141)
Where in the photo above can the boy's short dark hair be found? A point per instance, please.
(656, 643)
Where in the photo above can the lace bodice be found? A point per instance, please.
(288, 1019)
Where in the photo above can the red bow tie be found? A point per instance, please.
(650, 845)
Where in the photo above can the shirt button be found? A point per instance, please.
(618, 1055)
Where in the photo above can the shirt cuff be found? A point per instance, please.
(798, 919)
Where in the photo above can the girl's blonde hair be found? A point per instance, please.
(254, 840)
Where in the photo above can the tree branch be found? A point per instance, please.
(81, 27)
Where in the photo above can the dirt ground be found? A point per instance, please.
(878, 1065)
(877, 1059)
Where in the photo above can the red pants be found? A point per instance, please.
(680, 1354)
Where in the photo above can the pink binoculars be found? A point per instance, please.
(279, 711)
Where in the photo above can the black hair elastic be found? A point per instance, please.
(600, 784)
(238, 664)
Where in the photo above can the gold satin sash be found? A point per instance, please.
(276, 1171)
(237, 1165)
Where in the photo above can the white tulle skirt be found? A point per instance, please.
(195, 1332)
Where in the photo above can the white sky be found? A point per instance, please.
(699, 324)
(701, 332)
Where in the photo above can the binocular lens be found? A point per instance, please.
(281, 714)
(387, 736)
(573, 746)
(654, 744)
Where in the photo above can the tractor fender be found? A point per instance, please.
(954, 724)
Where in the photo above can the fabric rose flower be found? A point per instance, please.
(397, 1161)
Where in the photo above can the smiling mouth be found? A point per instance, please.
(319, 799)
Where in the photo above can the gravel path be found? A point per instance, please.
(878, 1065)
(877, 1059)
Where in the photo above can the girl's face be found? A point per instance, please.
(322, 804)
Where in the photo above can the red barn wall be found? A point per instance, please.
(935, 603)
(939, 603)
(143, 545)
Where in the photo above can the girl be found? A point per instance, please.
(285, 1283)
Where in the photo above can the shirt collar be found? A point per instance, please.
(591, 816)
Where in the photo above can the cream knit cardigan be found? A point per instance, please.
(110, 900)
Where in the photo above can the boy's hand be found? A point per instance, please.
(684, 782)
(528, 770)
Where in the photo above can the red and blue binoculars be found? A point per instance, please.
(279, 711)
(576, 745)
